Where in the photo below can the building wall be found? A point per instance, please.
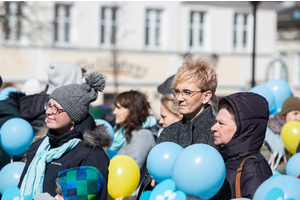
(142, 67)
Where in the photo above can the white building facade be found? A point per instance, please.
(147, 41)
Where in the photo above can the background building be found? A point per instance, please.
(138, 44)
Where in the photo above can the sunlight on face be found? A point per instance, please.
(224, 128)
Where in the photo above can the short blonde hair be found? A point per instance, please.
(199, 71)
(170, 104)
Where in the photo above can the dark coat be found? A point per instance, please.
(32, 110)
(89, 152)
(186, 133)
(251, 116)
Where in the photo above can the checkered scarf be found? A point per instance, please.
(81, 183)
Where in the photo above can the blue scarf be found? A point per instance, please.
(34, 177)
(119, 136)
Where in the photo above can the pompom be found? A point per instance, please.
(96, 80)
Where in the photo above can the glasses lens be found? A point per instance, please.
(46, 106)
(174, 93)
(186, 94)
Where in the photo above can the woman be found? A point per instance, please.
(132, 138)
(239, 133)
(290, 111)
(169, 111)
(72, 140)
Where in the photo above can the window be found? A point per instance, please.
(12, 26)
(62, 23)
(108, 27)
(153, 28)
(196, 29)
(240, 31)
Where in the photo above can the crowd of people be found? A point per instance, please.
(69, 147)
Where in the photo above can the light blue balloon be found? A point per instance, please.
(293, 166)
(284, 186)
(10, 175)
(16, 136)
(109, 128)
(199, 170)
(11, 192)
(268, 95)
(281, 91)
(161, 159)
(4, 93)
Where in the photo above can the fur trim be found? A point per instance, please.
(97, 138)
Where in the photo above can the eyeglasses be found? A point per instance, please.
(185, 93)
(54, 109)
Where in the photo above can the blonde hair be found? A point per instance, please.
(170, 104)
(199, 71)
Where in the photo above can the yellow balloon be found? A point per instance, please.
(123, 177)
(290, 134)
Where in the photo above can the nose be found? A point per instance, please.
(161, 121)
(180, 97)
(115, 111)
(298, 117)
(213, 128)
(48, 111)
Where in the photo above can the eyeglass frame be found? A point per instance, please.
(180, 92)
(58, 110)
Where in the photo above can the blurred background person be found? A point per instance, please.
(275, 149)
(73, 138)
(169, 111)
(132, 136)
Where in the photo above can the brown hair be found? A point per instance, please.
(199, 71)
(170, 104)
(139, 108)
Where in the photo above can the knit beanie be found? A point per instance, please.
(76, 98)
(62, 73)
(32, 86)
(84, 182)
(291, 103)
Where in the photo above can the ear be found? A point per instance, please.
(207, 96)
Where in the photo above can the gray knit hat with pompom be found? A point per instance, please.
(75, 98)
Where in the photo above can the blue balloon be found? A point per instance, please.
(284, 186)
(4, 93)
(161, 159)
(281, 91)
(293, 166)
(111, 153)
(199, 170)
(16, 136)
(268, 95)
(109, 128)
(11, 192)
(10, 175)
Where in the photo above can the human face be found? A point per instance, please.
(293, 115)
(224, 128)
(167, 118)
(121, 114)
(60, 122)
(193, 106)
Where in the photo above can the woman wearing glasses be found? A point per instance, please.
(193, 85)
(73, 138)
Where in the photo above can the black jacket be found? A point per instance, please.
(251, 115)
(89, 152)
(32, 109)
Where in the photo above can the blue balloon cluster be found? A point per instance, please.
(276, 91)
(16, 136)
(198, 170)
(10, 175)
(161, 159)
(278, 187)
